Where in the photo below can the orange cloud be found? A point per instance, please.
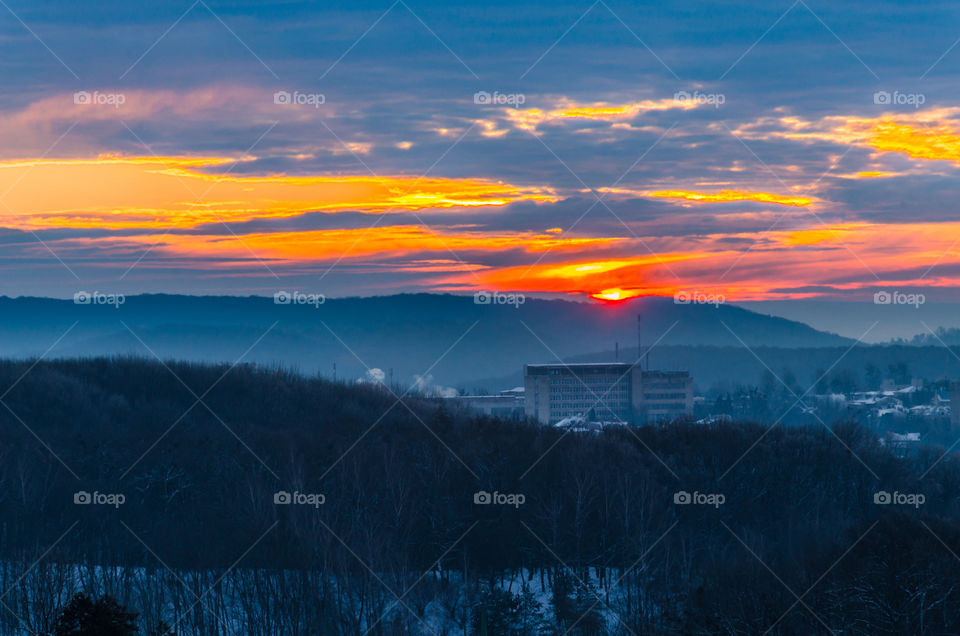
(732, 195)
(816, 236)
(768, 265)
(739, 265)
(171, 192)
(643, 273)
(382, 243)
(530, 118)
(919, 142)
(932, 134)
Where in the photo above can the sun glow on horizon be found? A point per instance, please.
(617, 294)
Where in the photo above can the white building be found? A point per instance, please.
(605, 392)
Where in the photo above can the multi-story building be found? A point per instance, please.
(599, 392)
(605, 392)
(662, 395)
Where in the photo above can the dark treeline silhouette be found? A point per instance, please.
(798, 545)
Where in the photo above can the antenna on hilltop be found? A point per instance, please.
(640, 353)
(639, 345)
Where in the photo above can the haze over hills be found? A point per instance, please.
(720, 369)
(449, 337)
(880, 322)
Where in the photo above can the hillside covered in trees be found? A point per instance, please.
(238, 500)
(405, 332)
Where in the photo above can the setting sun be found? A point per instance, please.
(616, 294)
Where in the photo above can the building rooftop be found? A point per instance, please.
(582, 364)
(578, 368)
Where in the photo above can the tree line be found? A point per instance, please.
(264, 502)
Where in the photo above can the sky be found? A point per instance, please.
(761, 151)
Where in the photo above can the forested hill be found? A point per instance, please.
(200, 453)
(455, 338)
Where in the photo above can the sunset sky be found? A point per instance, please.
(783, 151)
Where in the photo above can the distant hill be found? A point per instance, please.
(450, 336)
(725, 368)
(940, 336)
(875, 323)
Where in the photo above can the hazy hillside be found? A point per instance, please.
(409, 334)
(725, 368)
(875, 322)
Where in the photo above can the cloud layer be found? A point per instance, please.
(760, 153)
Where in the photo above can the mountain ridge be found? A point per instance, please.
(448, 336)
